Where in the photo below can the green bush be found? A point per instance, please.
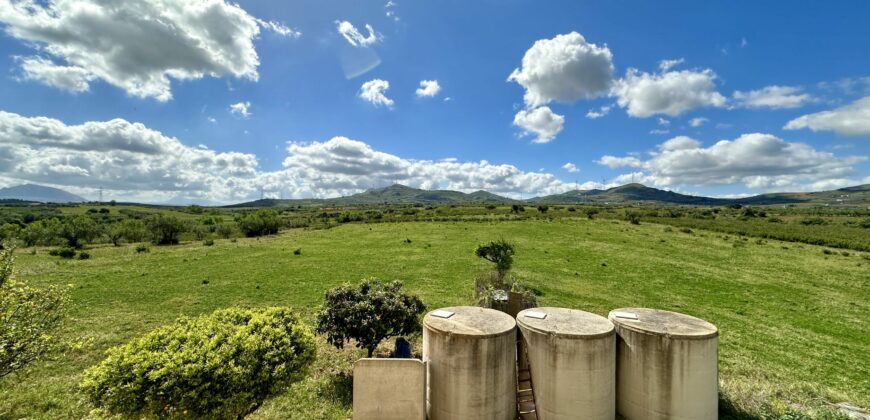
(368, 314)
(165, 229)
(140, 249)
(67, 253)
(84, 255)
(217, 366)
(261, 223)
(500, 253)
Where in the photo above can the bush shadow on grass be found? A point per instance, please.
(729, 411)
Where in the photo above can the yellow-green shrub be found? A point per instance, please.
(222, 365)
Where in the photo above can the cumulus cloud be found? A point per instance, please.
(354, 36)
(241, 109)
(698, 121)
(279, 28)
(848, 120)
(118, 155)
(132, 161)
(775, 97)
(570, 167)
(374, 91)
(541, 122)
(135, 45)
(602, 111)
(754, 160)
(671, 93)
(428, 88)
(564, 69)
(666, 65)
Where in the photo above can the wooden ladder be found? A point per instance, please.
(526, 409)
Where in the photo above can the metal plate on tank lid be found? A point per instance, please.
(440, 313)
(625, 315)
(535, 314)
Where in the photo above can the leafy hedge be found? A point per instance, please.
(221, 366)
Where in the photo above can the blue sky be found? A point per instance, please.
(784, 85)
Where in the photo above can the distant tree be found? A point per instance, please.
(78, 230)
(43, 232)
(134, 230)
(260, 223)
(632, 217)
(115, 233)
(195, 209)
(368, 313)
(199, 231)
(543, 208)
(8, 233)
(29, 316)
(498, 252)
(165, 229)
(591, 212)
(225, 230)
(517, 208)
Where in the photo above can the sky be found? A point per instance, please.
(215, 102)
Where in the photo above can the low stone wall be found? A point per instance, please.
(389, 389)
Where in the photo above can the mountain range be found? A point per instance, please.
(625, 194)
(857, 196)
(38, 193)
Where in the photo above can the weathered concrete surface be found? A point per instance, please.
(572, 355)
(471, 360)
(389, 389)
(666, 366)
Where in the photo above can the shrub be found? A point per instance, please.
(221, 366)
(516, 208)
(572, 209)
(297, 251)
(141, 249)
(591, 212)
(225, 230)
(78, 230)
(133, 230)
(208, 242)
(632, 217)
(84, 255)
(29, 316)
(67, 252)
(543, 208)
(165, 229)
(368, 314)
(498, 252)
(262, 222)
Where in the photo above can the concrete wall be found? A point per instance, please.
(389, 389)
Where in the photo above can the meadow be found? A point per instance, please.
(793, 317)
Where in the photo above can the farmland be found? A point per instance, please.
(792, 315)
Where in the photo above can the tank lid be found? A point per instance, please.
(564, 322)
(659, 322)
(469, 321)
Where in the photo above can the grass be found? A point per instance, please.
(793, 320)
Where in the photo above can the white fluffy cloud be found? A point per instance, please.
(666, 65)
(354, 36)
(564, 69)
(541, 122)
(698, 121)
(241, 109)
(570, 167)
(134, 162)
(670, 93)
(602, 111)
(136, 45)
(428, 88)
(848, 120)
(775, 97)
(118, 155)
(374, 91)
(753, 160)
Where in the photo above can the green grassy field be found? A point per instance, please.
(793, 320)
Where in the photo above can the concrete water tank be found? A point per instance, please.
(666, 365)
(471, 359)
(572, 358)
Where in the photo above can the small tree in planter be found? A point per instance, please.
(368, 314)
(500, 252)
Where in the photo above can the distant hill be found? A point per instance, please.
(625, 194)
(30, 192)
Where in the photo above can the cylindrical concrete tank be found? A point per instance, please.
(666, 365)
(572, 358)
(470, 355)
